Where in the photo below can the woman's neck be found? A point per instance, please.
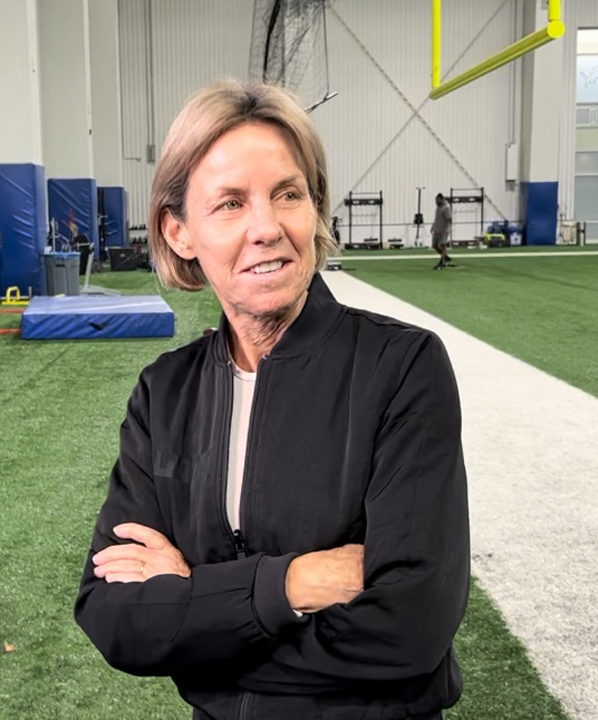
(251, 338)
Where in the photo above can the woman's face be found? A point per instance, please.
(250, 222)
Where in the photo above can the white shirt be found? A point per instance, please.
(243, 389)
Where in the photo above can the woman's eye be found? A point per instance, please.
(290, 195)
(231, 205)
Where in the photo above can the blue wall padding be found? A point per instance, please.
(539, 208)
(115, 208)
(75, 199)
(23, 227)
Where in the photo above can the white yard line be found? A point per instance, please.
(458, 257)
(532, 458)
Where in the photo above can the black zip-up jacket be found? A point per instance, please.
(354, 438)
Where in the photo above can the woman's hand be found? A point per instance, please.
(138, 563)
(320, 579)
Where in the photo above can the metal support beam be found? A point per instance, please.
(552, 31)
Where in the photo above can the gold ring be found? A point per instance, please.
(142, 568)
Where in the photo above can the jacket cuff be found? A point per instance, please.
(269, 595)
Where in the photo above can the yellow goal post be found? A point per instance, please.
(553, 30)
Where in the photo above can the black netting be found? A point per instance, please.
(289, 47)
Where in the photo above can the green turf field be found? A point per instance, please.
(543, 310)
(62, 403)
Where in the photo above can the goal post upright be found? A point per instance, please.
(552, 31)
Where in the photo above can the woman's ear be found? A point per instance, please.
(176, 235)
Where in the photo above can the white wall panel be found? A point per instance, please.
(137, 173)
(20, 120)
(196, 43)
(379, 56)
(193, 42)
(65, 83)
(578, 14)
(105, 92)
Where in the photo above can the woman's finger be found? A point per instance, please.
(141, 533)
(120, 566)
(124, 578)
(130, 551)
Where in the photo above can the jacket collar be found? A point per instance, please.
(320, 313)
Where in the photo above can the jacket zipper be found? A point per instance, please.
(247, 468)
(244, 706)
(237, 536)
(237, 542)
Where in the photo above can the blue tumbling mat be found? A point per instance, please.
(94, 316)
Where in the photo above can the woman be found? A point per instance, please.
(286, 530)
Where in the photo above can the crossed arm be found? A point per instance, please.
(313, 581)
(384, 611)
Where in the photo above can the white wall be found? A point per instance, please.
(378, 62)
(65, 88)
(527, 89)
(193, 43)
(381, 132)
(20, 119)
(105, 92)
(542, 75)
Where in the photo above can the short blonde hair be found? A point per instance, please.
(212, 112)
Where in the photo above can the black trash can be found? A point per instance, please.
(62, 273)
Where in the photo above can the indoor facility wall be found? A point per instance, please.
(381, 132)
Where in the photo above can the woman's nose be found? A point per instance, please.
(264, 226)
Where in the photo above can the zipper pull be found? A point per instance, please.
(240, 545)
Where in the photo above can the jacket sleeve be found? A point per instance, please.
(169, 623)
(416, 549)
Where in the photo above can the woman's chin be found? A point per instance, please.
(268, 305)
